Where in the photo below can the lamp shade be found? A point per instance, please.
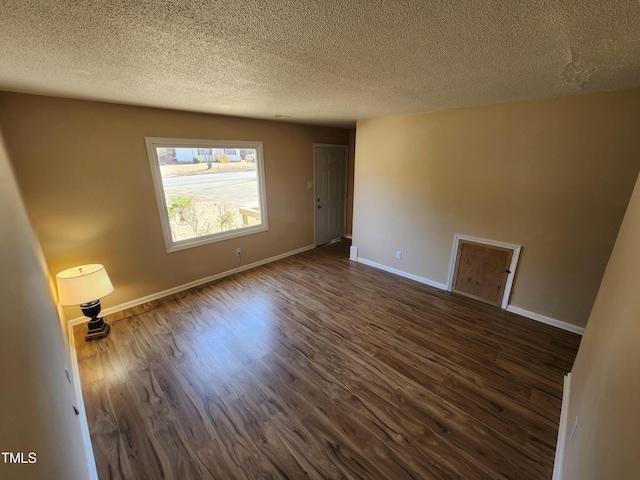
(83, 284)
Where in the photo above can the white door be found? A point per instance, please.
(330, 165)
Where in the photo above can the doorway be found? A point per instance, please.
(330, 187)
(483, 269)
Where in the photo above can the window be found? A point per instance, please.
(207, 190)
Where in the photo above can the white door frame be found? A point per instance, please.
(512, 268)
(346, 183)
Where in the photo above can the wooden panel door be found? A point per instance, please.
(481, 271)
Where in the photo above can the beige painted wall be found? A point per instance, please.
(36, 413)
(553, 176)
(605, 392)
(86, 182)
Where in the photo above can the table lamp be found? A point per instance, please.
(85, 286)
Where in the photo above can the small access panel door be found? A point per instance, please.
(482, 271)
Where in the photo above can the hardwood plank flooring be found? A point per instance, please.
(318, 367)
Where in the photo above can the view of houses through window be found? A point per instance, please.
(207, 191)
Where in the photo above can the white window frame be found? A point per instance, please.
(172, 245)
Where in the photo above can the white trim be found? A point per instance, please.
(346, 185)
(512, 268)
(544, 319)
(400, 273)
(186, 286)
(562, 429)
(84, 425)
(353, 253)
(175, 245)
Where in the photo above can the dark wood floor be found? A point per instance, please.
(315, 366)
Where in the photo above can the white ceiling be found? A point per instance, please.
(318, 61)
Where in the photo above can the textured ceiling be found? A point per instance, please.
(324, 61)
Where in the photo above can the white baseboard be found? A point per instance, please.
(544, 319)
(401, 273)
(562, 429)
(186, 286)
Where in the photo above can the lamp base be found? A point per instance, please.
(97, 327)
(99, 332)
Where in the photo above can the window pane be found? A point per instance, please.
(209, 192)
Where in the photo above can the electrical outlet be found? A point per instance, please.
(238, 251)
(399, 255)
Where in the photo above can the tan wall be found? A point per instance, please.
(86, 182)
(605, 392)
(553, 176)
(36, 413)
